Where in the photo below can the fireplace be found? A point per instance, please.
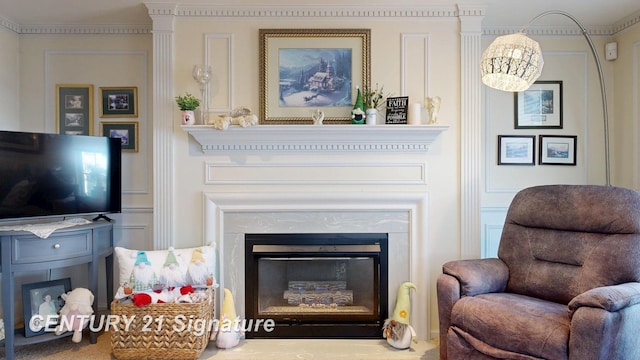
(321, 285)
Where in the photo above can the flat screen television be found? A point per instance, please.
(54, 175)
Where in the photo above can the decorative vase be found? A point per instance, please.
(372, 115)
(188, 117)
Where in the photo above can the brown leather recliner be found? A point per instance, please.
(565, 285)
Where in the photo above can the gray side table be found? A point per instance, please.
(22, 251)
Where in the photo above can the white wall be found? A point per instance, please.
(9, 80)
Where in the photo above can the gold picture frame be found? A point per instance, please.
(119, 102)
(74, 109)
(305, 70)
(127, 132)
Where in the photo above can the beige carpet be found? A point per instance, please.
(263, 349)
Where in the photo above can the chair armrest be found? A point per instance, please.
(610, 298)
(478, 276)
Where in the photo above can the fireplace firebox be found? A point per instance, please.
(317, 285)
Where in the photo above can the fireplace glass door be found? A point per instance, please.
(317, 285)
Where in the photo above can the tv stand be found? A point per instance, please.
(103, 217)
(22, 251)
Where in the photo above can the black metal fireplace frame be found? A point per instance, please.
(310, 326)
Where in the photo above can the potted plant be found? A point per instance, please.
(187, 103)
(373, 102)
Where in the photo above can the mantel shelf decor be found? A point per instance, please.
(387, 138)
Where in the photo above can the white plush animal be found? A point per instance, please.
(76, 312)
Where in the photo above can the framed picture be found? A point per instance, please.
(306, 70)
(558, 150)
(41, 302)
(74, 109)
(516, 150)
(540, 106)
(127, 132)
(119, 102)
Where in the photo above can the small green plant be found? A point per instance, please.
(374, 99)
(187, 102)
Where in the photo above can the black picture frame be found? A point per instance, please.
(558, 150)
(516, 149)
(539, 107)
(74, 109)
(119, 102)
(34, 304)
(126, 131)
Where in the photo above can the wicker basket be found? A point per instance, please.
(161, 331)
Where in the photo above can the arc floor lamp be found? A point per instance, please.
(514, 62)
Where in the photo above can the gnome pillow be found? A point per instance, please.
(145, 270)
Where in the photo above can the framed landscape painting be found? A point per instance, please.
(516, 150)
(305, 70)
(540, 106)
(558, 150)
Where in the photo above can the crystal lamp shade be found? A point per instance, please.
(511, 63)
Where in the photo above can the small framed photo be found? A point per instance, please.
(119, 102)
(74, 109)
(558, 150)
(127, 132)
(540, 106)
(41, 303)
(516, 150)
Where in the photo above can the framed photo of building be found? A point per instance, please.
(41, 303)
(558, 150)
(305, 70)
(540, 106)
(516, 150)
(127, 132)
(119, 102)
(74, 109)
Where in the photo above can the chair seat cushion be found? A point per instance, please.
(514, 324)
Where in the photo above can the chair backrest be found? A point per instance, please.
(561, 240)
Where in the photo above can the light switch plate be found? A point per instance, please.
(611, 51)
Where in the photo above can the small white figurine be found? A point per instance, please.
(318, 117)
(240, 116)
(433, 106)
(230, 329)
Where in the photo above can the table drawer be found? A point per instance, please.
(30, 249)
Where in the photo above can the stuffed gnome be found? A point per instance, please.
(229, 330)
(397, 330)
(75, 314)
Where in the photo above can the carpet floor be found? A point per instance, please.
(263, 349)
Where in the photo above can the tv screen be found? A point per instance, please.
(43, 175)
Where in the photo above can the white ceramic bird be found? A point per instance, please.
(396, 329)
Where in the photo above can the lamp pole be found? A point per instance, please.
(605, 112)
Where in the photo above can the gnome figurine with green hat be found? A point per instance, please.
(357, 114)
(397, 330)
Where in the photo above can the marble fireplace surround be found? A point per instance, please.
(401, 215)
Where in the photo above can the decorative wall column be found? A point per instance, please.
(470, 129)
(162, 15)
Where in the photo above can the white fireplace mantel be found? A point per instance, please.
(384, 138)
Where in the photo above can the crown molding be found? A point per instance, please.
(314, 11)
(547, 30)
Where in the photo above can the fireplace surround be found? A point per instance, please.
(320, 285)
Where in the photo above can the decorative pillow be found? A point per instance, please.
(149, 269)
